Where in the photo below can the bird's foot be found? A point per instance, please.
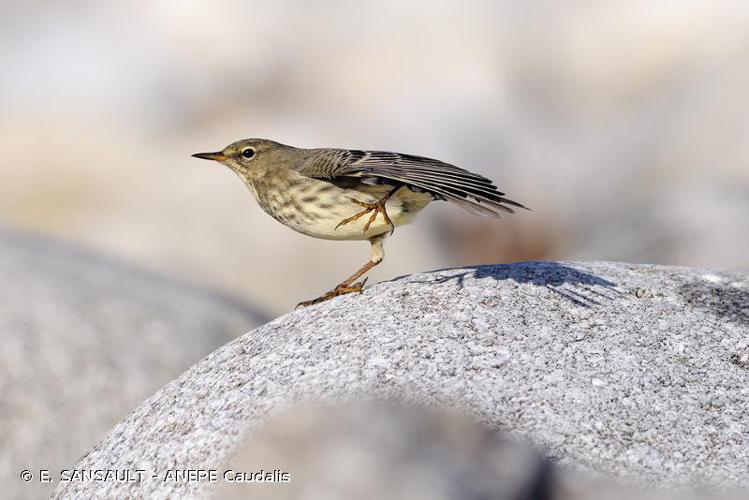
(341, 289)
(375, 208)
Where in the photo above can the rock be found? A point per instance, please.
(84, 340)
(375, 450)
(632, 371)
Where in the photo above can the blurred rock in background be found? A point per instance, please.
(379, 450)
(84, 341)
(620, 123)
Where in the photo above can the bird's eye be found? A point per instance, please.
(248, 153)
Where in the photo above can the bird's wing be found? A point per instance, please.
(470, 191)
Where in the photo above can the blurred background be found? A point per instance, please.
(622, 124)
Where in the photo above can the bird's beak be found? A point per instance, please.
(219, 156)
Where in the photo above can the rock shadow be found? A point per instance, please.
(579, 287)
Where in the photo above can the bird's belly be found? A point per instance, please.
(318, 213)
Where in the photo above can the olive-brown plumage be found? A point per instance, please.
(345, 194)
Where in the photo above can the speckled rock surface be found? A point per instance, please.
(629, 370)
(84, 341)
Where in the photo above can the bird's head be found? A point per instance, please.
(245, 155)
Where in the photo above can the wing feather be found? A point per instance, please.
(472, 192)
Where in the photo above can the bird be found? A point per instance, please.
(353, 194)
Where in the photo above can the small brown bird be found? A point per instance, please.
(340, 194)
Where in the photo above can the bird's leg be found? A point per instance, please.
(377, 207)
(350, 285)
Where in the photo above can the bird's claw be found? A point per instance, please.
(375, 208)
(341, 289)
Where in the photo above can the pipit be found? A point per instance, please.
(349, 194)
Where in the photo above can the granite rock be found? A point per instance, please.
(635, 372)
